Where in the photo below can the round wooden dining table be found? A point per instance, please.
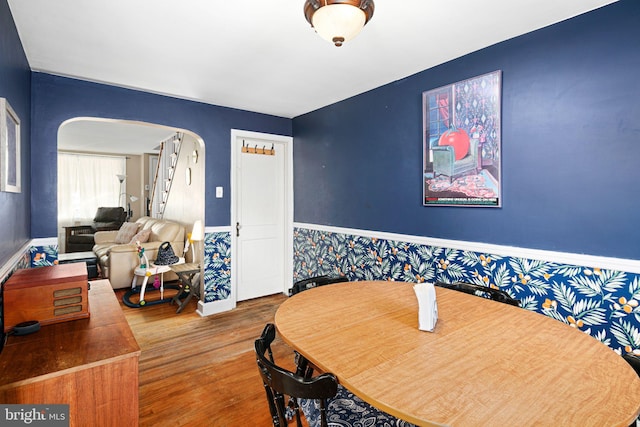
(484, 364)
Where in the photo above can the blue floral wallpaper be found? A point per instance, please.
(602, 303)
(43, 256)
(217, 266)
(599, 302)
(217, 276)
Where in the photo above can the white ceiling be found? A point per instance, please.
(111, 136)
(263, 56)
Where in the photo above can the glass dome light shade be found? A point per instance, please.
(338, 23)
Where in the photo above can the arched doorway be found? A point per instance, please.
(137, 144)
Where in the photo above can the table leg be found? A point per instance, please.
(187, 280)
(185, 302)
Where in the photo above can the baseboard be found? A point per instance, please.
(215, 307)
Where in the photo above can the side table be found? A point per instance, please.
(189, 275)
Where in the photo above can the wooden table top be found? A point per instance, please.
(485, 364)
(67, 346)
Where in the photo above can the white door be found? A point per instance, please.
(261, 215)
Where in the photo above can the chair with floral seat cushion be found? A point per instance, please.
(283, 388)
(323, 402)
(346, 409)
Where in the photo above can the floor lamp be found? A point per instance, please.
(121, 178)
(131, 199)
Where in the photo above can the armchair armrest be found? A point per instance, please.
(443, 154)
(447, 148)
(149, 247)
(123, 248)
(101, 237)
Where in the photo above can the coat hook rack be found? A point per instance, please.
(255, 150)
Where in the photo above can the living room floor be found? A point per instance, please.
(201, 371)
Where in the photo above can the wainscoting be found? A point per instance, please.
(597, 295)
(582, 291)
(217, 261)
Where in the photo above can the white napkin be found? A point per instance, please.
(427, 306)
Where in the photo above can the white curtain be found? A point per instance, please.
(86, 182)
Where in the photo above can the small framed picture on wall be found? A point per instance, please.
(461, 143)
(10, 178)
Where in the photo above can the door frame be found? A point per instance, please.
(236, 139)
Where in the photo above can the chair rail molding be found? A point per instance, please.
(619, 264)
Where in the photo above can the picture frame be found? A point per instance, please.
(10, 172)
(461, 140)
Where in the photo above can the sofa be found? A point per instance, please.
(119, 260)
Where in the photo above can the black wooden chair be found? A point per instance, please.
(482, 291)
(320, 398)
(282, 386)
(312, 282)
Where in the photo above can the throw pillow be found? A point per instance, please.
(126, 232)
(142, 237)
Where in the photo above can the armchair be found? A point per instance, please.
(80, 238)
(445, 163)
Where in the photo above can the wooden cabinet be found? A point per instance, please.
(47, 294)
(90, 364)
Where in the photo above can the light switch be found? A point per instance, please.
(219, 192)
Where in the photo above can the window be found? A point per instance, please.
(86, 182)
(437, 108)
(439, 114)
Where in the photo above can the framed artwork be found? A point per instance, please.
(9, 148)
(461, 143)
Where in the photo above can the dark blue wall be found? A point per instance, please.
(56, 99)
(15, 86)
(570, 145)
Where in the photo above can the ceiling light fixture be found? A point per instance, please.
(338, 21)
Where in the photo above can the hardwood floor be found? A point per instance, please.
(201, 371)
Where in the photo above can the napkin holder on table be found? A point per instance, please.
(427, 306)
